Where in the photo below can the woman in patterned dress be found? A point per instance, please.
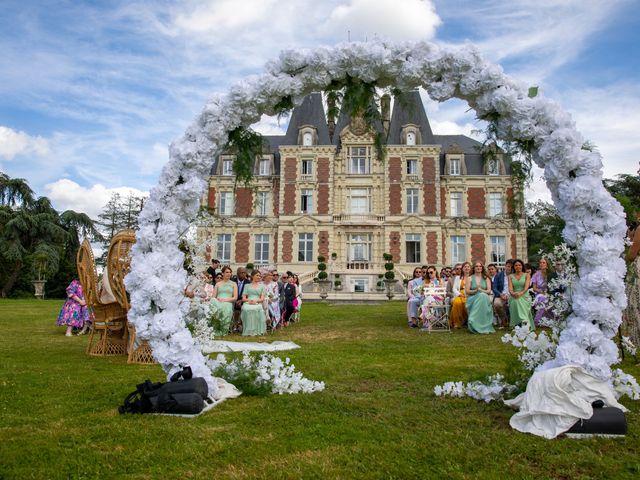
(74, 312)
(430, 299)
(539, 286)
(253, 318)
(224, 295)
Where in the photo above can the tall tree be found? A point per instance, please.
(626, 189)
(34, 238)
(118, 214)
(544, 228)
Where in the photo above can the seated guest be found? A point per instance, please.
(253, 318)
(290, 296)
(414, 296)
(451, 283)
(458, 304)
(539, 287)
(477, 289)
(431, 300)
(444, 276)
(519, 299)
(499, 285)
(224, 295)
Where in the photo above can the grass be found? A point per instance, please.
(377, 418)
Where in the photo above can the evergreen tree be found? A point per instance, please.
(118, 214)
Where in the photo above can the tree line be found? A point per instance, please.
(39, 243)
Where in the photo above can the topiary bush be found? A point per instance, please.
(322, 275)
(388, 266)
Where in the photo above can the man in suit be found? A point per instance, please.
(500, 287)
(290, 292)
(241, 281)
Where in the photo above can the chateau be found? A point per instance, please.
(320, 190)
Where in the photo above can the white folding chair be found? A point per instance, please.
(435, 310)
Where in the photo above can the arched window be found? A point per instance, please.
(307, 139)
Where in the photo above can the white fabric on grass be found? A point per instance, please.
(557, 398)
(221, 346)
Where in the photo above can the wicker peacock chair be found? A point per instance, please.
(109, 318)
(118, 265)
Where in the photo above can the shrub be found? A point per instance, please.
(250, 267)
(389, 275)
(323, 275)
(387, 257)
(337, 275)
(322, 267)
(321, 259)
(337, 283)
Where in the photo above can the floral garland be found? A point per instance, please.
(594, 220)
(263, 374)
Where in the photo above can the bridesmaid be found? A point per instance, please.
(253, 318)
(520, 301)
(225, 293)
(458, 304)
(477, 290)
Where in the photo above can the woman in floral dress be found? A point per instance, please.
(539, 286)
(272, 299)
(74, 313)
(430, 299)
(225, 293)
(253, 318)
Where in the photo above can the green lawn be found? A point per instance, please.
(377, 418)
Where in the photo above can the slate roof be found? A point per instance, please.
(408, 108)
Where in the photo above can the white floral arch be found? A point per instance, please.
(594, 220)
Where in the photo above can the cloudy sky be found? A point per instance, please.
(92, 92)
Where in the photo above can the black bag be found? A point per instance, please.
(604, 421)
(186, 396)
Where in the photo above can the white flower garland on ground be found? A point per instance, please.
(266, 371)
(594, 220)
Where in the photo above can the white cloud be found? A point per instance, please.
(270, 125)
(66, 194)
(13, 143)
(394, 19)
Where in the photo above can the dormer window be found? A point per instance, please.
(227, 167)
(454, 166)
(307, 139)
(411, 138)
(410, 135)
(263, 169)
(492, 167)
(307, 136)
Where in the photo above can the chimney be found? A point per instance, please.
(385, 107)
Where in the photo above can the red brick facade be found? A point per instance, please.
(287, 246)
(432, 248)
(242, 247)
(244, 202)
(395, 186)
(394, 245)
(444, 249)
(429, 181)
(443, 202)
(290, 177)
(323, 186)
(509, 206)
(514, 249)
(211, 198)
(476, 202)
(323, 243)
(477, 247)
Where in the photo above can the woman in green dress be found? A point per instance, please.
(477, 290)
(520, 300)
(254, 321)
(225, 293)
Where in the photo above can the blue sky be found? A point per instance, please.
(93, 92)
